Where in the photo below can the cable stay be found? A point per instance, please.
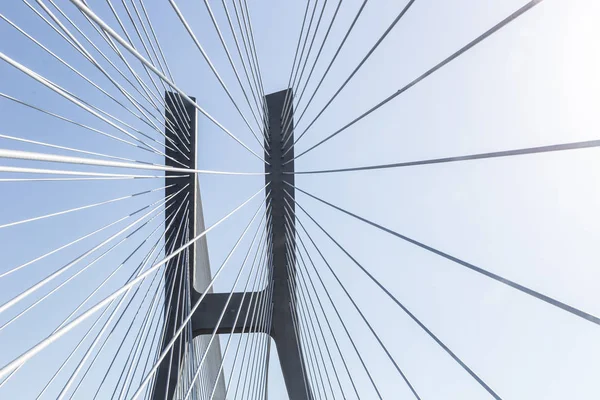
(528, 6)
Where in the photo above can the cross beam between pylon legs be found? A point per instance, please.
(283, 330)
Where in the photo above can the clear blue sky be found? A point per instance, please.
(533, 219)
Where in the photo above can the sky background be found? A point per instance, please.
(532, 219)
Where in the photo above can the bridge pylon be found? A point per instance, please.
(280, 290)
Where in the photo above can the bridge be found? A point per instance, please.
(168, 240)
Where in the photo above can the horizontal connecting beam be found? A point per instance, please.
(206, 318)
